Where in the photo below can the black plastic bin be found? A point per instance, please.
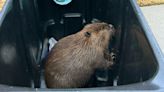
(25, 26)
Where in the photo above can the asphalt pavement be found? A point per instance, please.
(155, 18)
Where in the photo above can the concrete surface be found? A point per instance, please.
(155, 17)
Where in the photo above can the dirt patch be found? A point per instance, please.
(149, 2)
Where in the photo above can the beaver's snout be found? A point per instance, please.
(111, 26)
(112, 29)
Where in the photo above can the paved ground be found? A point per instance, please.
(155, 18)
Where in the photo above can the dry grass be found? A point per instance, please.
(149, 2)
(1, 4)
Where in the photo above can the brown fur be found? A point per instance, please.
(75, 58)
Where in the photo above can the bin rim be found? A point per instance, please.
(150, 37)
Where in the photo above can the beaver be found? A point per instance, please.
(74, 59)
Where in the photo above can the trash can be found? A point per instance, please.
(26, 26)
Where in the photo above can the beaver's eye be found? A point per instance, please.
(87, 34)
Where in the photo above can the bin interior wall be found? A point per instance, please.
(23, 33)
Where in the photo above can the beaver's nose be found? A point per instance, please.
(111, 26)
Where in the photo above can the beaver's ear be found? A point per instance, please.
(87, 34)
